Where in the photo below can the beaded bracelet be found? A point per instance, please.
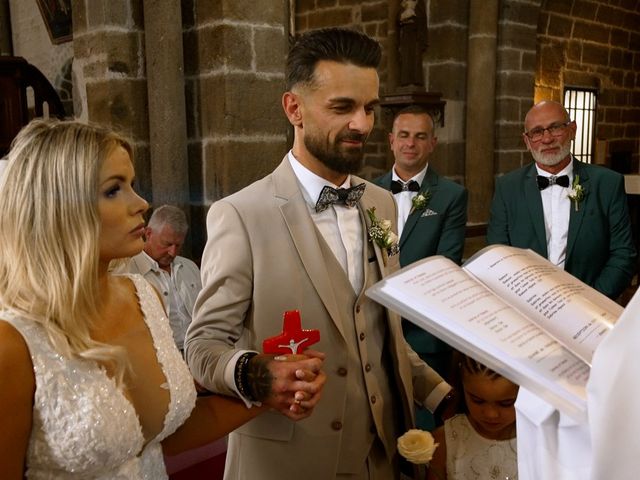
(240, 375)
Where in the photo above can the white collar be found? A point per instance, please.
(568, 171)
(419, 177)
(310, 183)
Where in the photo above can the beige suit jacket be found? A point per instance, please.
(264, 255)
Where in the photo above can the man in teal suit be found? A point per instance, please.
(432, 214)
(575, 214)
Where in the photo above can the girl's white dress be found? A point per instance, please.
(470, 456)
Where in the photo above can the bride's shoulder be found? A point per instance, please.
(15, 359)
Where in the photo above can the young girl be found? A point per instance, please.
(481, 443)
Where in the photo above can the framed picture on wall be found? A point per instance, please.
(57, 18)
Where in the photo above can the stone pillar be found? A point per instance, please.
(109, 73)
(234, 73)
(392, 45)
(6, 46)
(165, 93)
(480, 115)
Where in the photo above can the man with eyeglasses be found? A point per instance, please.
(575, 214)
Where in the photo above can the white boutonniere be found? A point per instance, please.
(382, 235)
(420, 201)
(576, 193)
(417, 446)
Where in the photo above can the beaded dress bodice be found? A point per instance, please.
(470, 456)
(84, 427)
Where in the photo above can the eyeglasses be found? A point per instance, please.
(555, 129)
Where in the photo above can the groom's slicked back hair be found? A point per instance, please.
(333, 44)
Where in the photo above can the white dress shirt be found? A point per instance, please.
(404, 199)
(556, 206)
(339, 225)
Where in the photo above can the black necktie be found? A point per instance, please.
(410, 186)
(347, 196)
(544, 182)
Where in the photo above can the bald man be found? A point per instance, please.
(575, 214)
(587, 233)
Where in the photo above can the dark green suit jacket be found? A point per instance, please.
(437, 229)
(600, 249)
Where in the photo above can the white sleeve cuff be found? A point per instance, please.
(229, 378)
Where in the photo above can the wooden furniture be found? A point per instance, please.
(17, 78)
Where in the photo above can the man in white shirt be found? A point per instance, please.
(576, 215)
(432, 216)
(298, 239)
(176, 278)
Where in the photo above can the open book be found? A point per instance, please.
(512, 310)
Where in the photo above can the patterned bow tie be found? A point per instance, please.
(544, 182)
(410, 186)
(346, 196)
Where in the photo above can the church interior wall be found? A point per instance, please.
(234, 53)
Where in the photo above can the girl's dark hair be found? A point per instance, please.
(334, 44)
(463, 364)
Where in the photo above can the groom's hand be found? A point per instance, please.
(290, 384)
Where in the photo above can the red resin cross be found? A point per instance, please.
(293, 339)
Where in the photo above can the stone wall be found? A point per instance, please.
(595, 44)
(109, 73)
(515, 80)
(446, 72)
(234, 54)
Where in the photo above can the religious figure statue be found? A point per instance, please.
(412, 41)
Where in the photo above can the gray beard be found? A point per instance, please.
(549, 160)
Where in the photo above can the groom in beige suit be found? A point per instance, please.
(298, 239)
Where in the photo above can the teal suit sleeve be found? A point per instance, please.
(618, 270)
(498, 228)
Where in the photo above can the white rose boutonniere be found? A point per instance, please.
(380, 232)
(576, 192)
(420, 201)
(417, 446)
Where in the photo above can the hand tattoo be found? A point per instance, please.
(259, 378)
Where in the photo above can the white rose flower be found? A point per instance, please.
(385, 224)
(417, 446)
(393, 238)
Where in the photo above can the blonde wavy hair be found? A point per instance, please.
(50, 233)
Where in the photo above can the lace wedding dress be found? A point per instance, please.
(83, 425)
(471, 456)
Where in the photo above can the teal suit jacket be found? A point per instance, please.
(437, 229)
(600, 249)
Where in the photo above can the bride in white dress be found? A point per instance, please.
(91, 383)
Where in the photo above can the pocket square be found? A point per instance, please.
(428, 213)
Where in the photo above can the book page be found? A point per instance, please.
(438, 296)
(567, 309)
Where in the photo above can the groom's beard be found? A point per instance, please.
(339, 157)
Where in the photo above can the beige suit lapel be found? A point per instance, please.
(305, 237)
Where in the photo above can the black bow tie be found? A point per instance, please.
(544, 182)
(347, 196)
(410, 186)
